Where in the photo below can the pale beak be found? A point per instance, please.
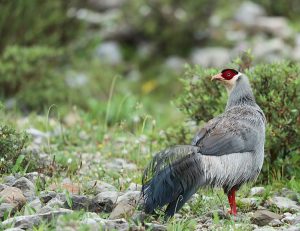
(217, 77)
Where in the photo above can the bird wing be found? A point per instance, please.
(225, 135)
(219, 144)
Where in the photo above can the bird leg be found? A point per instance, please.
(231, 199)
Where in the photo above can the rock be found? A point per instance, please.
(100, 186)
(126, 205)
(175, 63)
(104, 202)
(91, 223)
(211, 214)
(288, 218)
(14, 229)
(78, 203)
(36, 178)
(27, 222)
(38, 136)
(26, 186)
(145, 50)
(9, 180)
(257, 191)
(275, 223)
(72, 119)
(250, 202)
(155, 227)
(134, 187)
(284, 203)
(119, 164)
(270, 50)
(292, 228)
(264, 217)
(47, 209)
(290, 194)
(266, 228)
(109, 52)
(47, 196)
(35, 204)
(139, 217)
(2, 186)
(248, 12)
(55, 203)
(210, 56)
(106, 224)
(69, 186)
(277, 26)
(117, 224)
(13, 196)
(297, 220)
(76, 80)
(6, 208)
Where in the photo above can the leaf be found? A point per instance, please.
(18, 163)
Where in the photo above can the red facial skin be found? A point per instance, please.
(228, 74)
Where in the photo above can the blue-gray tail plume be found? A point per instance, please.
(171, 178)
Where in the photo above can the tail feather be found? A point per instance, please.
(172, 177)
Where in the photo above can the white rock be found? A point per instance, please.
(296, 53)
(175, 63)
(275, 223)
(109, 52)
(248, 12)
(284, 203)
(257, 191)
(249, 201)
(277, 26)
(265, 228)
(27, 187)
(100, 186)
(119, 164)
(270, 50)
(27, 222)
(76, 80)
(210, 56)
(126, 205)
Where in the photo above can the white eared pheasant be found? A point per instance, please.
(227, 152)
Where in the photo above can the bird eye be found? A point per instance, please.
(228, 74)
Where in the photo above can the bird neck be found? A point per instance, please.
(241, 93)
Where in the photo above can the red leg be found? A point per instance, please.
(231, 199)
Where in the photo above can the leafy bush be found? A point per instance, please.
(11, 145)
(281, 8)
(35, 22)
(276, 87)
(29, 75)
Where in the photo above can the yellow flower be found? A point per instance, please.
(149, 86)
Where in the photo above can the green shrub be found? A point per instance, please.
(28, 74)
(281, 8)
(276, 88)
(11, 146)
(35, 22)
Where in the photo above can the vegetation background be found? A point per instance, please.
(107, 79)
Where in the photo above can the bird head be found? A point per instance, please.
(228, 77)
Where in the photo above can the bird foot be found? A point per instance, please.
(234, 213)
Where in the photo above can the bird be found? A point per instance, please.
(227, 152)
